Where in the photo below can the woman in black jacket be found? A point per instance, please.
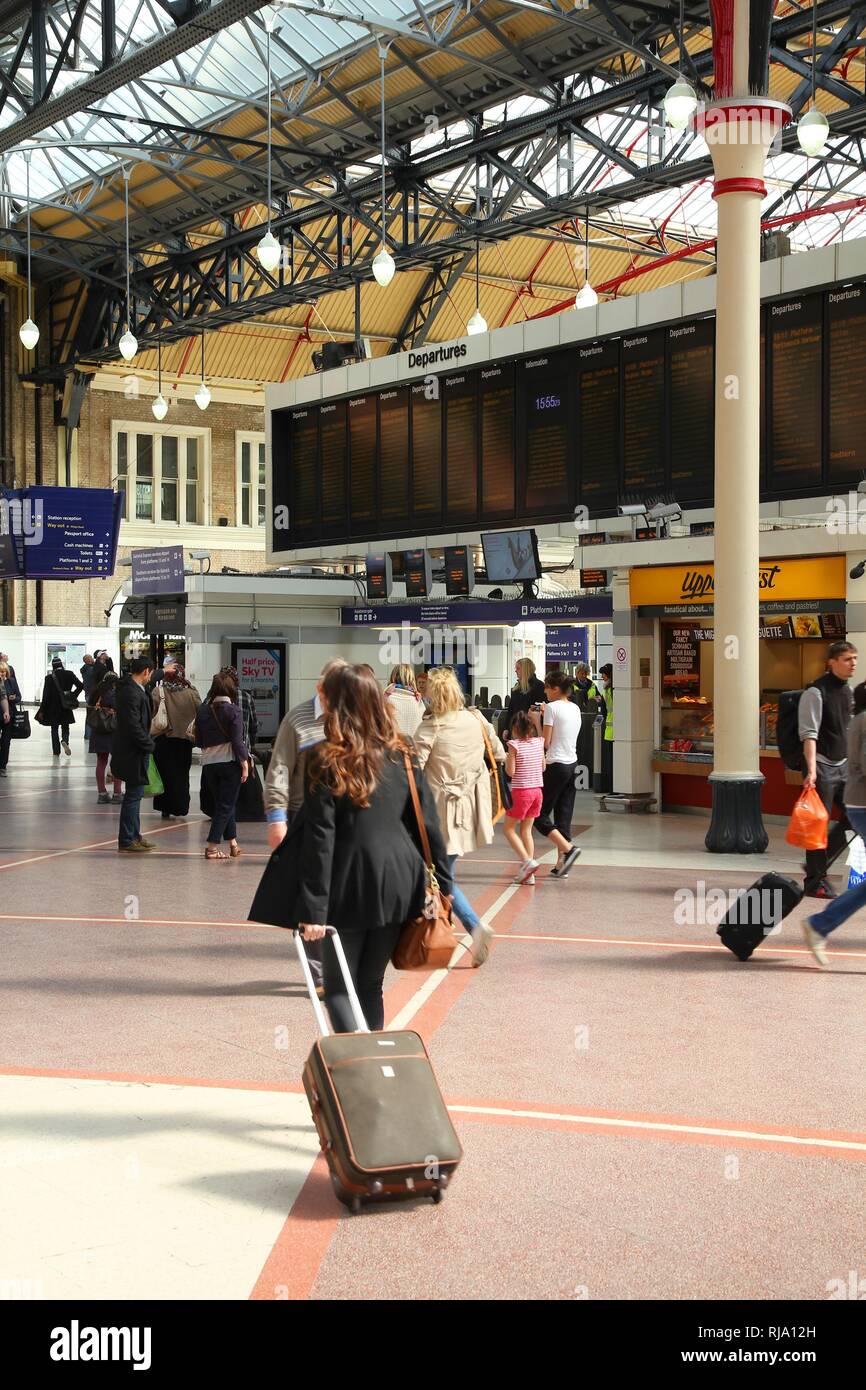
(528, 691)
(351, 859)
(225, 761)
(60, 687)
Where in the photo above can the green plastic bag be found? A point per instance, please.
(154, 781)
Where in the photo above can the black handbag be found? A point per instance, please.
(100, 720)
(20, 722)
(68, 700)
(251, 797)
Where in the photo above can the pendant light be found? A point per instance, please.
(383, 261)
(813, 128)
(202, 395)
(129, 343)
(268, 249)
(586, 297)
(681, 100)
(29, 331)
(477, 323)
(160, 405)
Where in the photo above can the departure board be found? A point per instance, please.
(281, 520)
(460, 399)
(545, 388)
(334, 453)
(846, 426)
(426, 455)
(362, 463)
(304, 469)
(598, 423)
(394, 457)
(692, 389)
(498, 491)
(795, 392)
(643, 378)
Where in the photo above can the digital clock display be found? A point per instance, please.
(547, 402)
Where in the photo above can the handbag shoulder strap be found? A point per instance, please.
(419, 815)
(484, 734)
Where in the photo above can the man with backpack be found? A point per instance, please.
(823, 715)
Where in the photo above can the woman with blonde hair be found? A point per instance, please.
(403, 701)
(527, 691)
(451, 748)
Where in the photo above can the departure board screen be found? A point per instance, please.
(394, 457)
(334, 452)
(498, 491)
(426, 455)
(461, 446)
(281, 520)
(692, 389)
(795, 392)
(846, 425)
(362, 463)
(545, 387)
(304, 468)
(598, 422)
(643, 372)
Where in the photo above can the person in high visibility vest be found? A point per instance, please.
(606, 694)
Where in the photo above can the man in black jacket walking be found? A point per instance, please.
(130, 751)
(823, 716)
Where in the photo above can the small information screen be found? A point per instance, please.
(692, 386)
(362, 463)
(304, 467)
(643, 368)
(334, 447)
(795, 394)
(461, 446)
(545, 463)
(394, 457)
(426, 454)
(847, 372)
(598, 366)
(498, 492)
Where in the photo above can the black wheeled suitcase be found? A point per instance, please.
(756, 912)
(383, 1125)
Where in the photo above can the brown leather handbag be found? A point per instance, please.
(498, 803)
(426, 942)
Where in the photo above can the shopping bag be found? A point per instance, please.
(20, 722)
(154, 781)
(856, 862)
(809, 820)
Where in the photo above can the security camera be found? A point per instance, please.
(632, 509)
(664, 511)
(199, 554)
(861, 486)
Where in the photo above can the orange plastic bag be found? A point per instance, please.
(809, 820)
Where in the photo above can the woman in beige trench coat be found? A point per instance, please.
(450, 746)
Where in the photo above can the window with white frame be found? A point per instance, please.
(161, 472)
(251, 479)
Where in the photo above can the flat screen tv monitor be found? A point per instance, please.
(511, 557)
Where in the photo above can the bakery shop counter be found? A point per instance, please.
(685, 780)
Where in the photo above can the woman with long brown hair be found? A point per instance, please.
(351, 859)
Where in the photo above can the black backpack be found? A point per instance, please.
(788, 738)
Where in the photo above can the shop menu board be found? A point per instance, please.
(692, 388)
(681, 673)
(592, 424)
(795, 374)
(497, 442)
(847, 398)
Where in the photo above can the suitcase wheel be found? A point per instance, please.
(436, 1197)
(375, 1187)
(355, 1205)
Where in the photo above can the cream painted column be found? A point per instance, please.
(633, 692)
(739, 134)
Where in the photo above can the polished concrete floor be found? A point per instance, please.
(642, 1116)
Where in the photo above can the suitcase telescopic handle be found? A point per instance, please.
(357, 1011)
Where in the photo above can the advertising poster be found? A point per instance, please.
(261, 671)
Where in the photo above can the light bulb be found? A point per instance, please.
(160, 407)
(128, 346)
(269, 251)
(29, 334)
(202, 397)
(477, 323)
(812, 131)
(384, 267)
(586, 297)
(681, 102)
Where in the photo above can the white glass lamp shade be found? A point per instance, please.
(384, 267)
(681, 102)
(160, 407)
(29, 334)
(269, 251)
(128, 346)
(202, 397)
(586, 297)
(477, 323)
(812, 131)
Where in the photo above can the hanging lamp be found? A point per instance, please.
(129, 343)
(586, 297)
(383, 261)
(160, 404)
(29, 331)
(268, 249)
(202, 395)
(813, 128)
(681, 100)
(477, 323)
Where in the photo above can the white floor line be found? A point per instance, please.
(98, 844)
(435, 979)
(660, 1126)
(667, 945)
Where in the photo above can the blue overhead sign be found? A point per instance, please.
(158, 571)
(565, 644)
(59, 532)
(591, 608)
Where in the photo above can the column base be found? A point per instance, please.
(736, 826)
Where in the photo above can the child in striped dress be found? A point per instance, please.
(525, 766)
